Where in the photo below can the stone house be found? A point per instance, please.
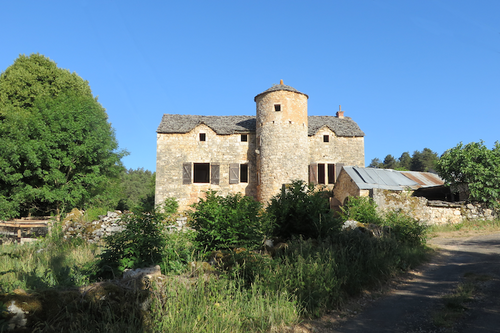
(254, 155)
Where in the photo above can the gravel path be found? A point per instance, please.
(410, 307)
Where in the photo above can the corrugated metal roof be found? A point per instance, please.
(368, 178)
(424, 179)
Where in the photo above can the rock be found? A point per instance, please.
(148, 272)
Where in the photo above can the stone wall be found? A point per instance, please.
(347, 150)
(430, 212)
(173, 150)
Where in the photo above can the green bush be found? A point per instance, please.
(361, 209)
(142, 243)
(228, 222)
(299, 210)
(405, 228)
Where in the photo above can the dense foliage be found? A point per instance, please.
(228, 222)
(424, 160)
(57, 149)
(473, 168)
(301, 210)
(137, 189)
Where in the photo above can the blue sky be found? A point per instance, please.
(412, 73)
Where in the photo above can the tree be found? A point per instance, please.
(57, 150)
(476, 167)
(424, 161)
(405, 161)
(375, 163)
(390, 162)
(137, 187)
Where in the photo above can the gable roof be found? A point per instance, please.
(368, 178)
(224, 125)
(340, 126)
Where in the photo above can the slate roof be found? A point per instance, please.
(277, 87)
(387, 179)
(224, 125)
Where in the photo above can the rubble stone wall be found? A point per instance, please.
(429, 212)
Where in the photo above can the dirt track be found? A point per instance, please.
(410, 306)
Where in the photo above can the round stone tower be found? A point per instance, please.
(282, 141)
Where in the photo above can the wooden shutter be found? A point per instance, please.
(234, 171)
(313, 174)
(186, 172)
(214, 173)
(338, 168)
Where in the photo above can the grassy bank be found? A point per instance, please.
(251, 289)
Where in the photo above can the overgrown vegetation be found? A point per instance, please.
(474, 169)
(246, 288)
(228, 222)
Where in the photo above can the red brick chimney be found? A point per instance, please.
(340, 114)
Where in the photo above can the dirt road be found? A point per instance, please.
(411, 306)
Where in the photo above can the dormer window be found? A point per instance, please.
(326, 138)
(203, 137)
(277, 107)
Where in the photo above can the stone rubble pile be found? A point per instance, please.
(74, 226)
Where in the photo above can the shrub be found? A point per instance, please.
(140, 244)
(299, 210)
(228, 222)
(405, 228)
(361, 209)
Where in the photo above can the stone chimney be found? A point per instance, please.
(340, 114)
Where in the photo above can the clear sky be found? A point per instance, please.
(412, 73)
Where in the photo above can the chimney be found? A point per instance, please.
(340, 114)
(281, 82)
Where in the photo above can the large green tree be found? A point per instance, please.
(475, 168)
(57, 149)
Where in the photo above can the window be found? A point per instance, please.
(244, 138)
(326, 138)
(277, 107)
(243, 173)
(331, 173)
(203, 137)
(201, 172)
(321, 174)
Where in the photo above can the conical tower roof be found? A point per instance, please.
(277, 87)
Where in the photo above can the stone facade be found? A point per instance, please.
(253, 155)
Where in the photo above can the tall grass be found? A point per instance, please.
(47, 263)
(220, 305)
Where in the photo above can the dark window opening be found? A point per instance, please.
(277, 107)
(203, 137)
(244, 138)
(331, 173)
(243, 173)
(326, 138)
(321, 174)
(201, 172)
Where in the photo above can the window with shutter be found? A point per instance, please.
(321, 173)
(201, 173)
(234, 170)
(186, 173)
(331, 174)
(243, 173)
(214, 173)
